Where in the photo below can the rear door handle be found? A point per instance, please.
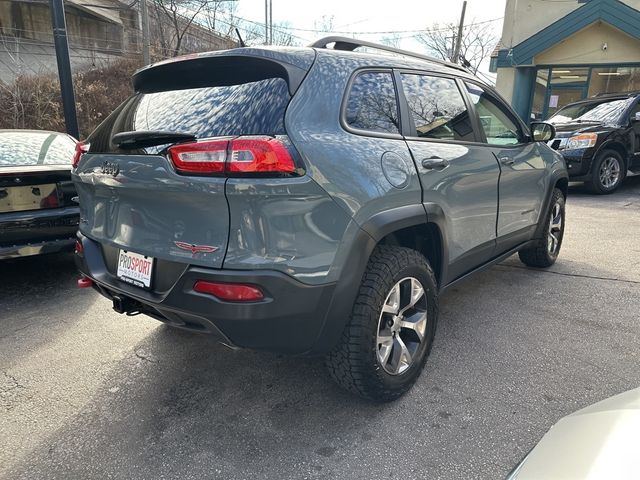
(435, 163)
(507, 161)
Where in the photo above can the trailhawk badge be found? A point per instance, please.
(195, 248)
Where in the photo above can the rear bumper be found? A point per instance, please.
(290, 319)
(37, 248)
(36, 232)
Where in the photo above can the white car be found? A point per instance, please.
(601, 441)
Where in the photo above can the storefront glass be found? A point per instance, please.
(555, 87)
(614, 80)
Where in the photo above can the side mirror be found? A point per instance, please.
(636, 117)
(542, 131)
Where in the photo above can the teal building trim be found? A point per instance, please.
(523, 85)
(613, 12)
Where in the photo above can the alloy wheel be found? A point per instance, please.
(609, 172)
(555, 229)
(402, 326)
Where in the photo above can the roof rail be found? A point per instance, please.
(350, 44)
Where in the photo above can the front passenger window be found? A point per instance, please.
(498, 126)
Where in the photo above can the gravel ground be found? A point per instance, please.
(86, 393)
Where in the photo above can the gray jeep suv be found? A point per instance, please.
(312, 201)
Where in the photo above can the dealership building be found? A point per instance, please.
(554, 52)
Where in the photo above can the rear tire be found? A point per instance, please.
(607, 172)
(387, 340)
(544, 252)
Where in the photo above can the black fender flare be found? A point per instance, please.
(367, 237)
(556, 176)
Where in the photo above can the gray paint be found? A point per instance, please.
(306, 226)
(147, 207)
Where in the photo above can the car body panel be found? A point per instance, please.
(598, 442)
(146, 207)
(285, 224)
(472, 173)
(524, 186)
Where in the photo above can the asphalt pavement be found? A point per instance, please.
(87, 393)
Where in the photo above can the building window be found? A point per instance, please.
(614, 80)
(558, 86)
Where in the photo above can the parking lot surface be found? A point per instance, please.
(87, 393)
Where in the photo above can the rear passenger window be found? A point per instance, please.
(437, 108)
(372, 103)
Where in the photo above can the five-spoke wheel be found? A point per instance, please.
(402, 325)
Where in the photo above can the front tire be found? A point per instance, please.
(388, 338)
(544, 252)
(607, 172)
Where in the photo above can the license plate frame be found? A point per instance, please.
(135, 268)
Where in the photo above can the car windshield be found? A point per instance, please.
(35, 148)
(607, 111)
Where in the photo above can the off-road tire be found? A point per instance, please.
(538, 255)
(354, 363)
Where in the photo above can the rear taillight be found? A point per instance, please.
(80, 149)
(79, 248)
(243, 155)
(230, 292)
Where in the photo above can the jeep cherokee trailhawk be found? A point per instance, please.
(312, 200)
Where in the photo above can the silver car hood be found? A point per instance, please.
(601, 441)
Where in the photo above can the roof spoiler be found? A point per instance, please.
(229, 67)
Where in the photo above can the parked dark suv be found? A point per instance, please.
(312, 201)
(600, 139)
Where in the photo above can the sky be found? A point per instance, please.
(359, 16)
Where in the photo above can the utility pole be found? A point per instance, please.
(456, 52)
(64, 67)
(270, 22)
(144, 23)
(266, 22)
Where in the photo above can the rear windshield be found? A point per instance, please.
(35, 148)
(255, 108)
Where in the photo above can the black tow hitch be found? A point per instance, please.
(126, 305)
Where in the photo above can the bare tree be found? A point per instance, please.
(325, 24)
(476, 45)
(281, 35)
(175, 17)
(392, 40)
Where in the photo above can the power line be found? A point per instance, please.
(389, 31)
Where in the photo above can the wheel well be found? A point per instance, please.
(425, 238)
(617, 147)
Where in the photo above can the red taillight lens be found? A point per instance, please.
(243, 155)
(80, 149)
(79, 248)
(200, 157)
(230, 292)
(257, 156)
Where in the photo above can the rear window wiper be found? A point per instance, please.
(149, 138)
